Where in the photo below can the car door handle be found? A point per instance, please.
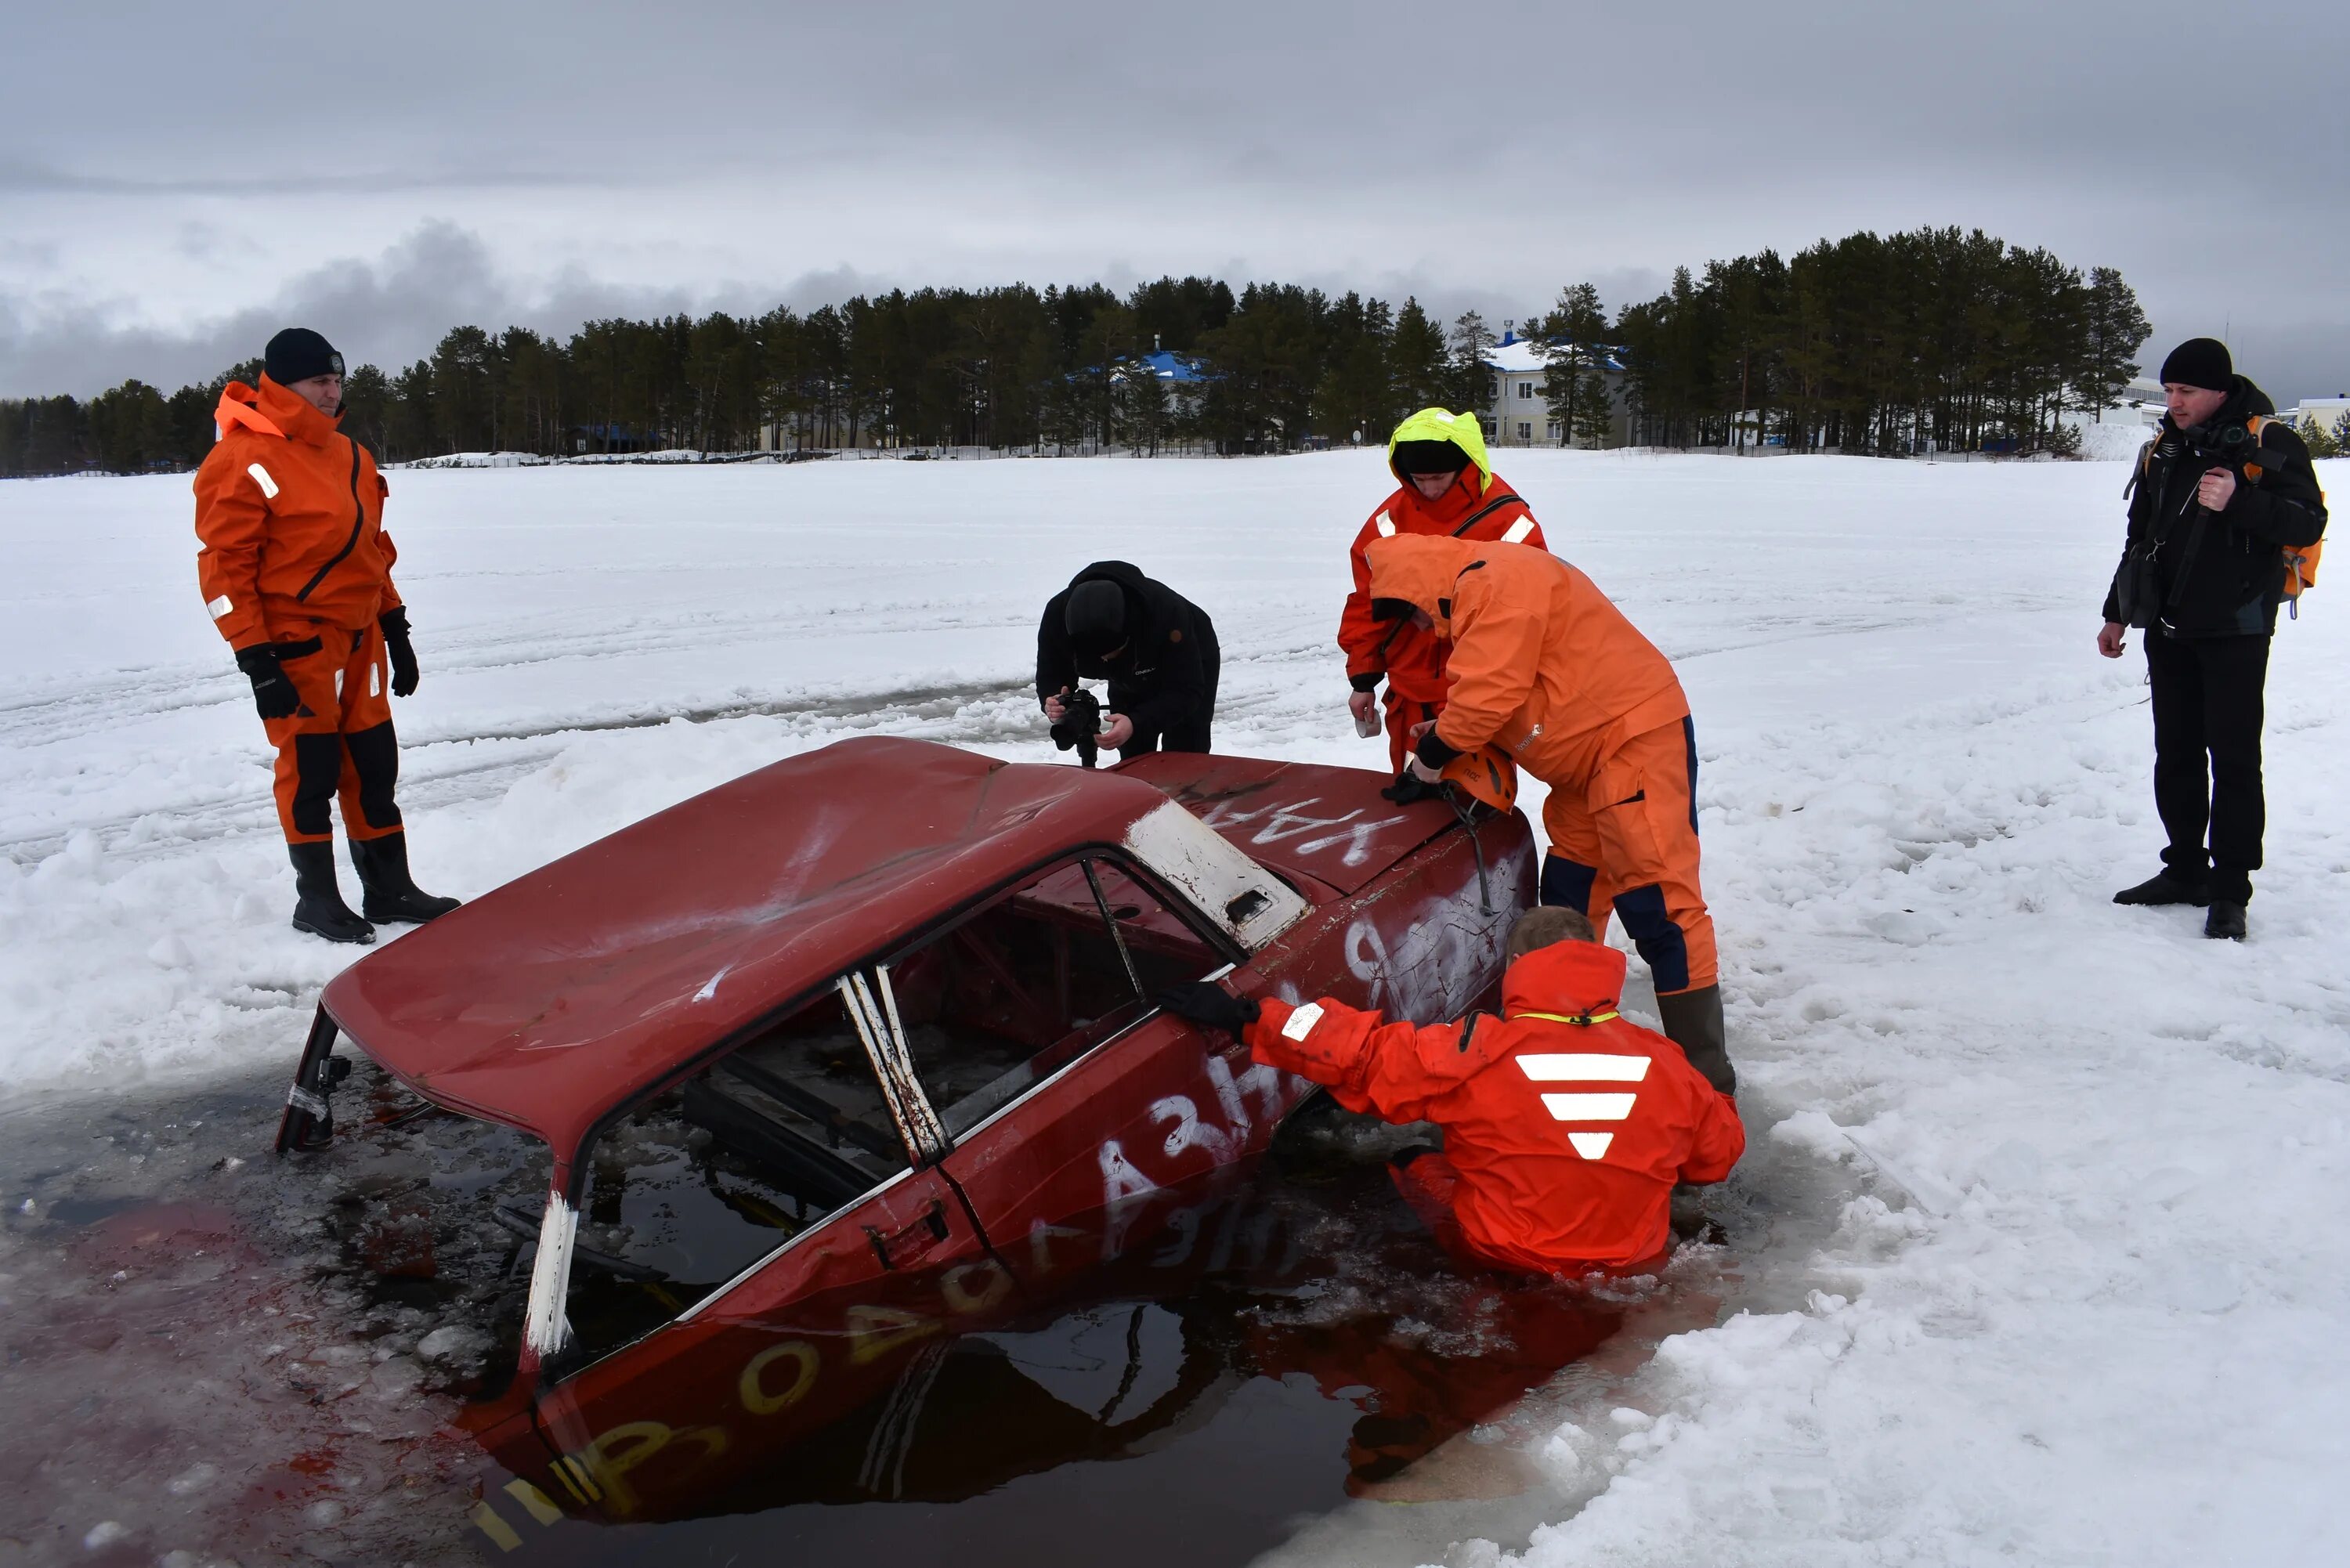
(933, 1219)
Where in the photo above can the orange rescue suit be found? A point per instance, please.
(291, 550)
(289, 516)
(1546, 664)
(1412, 660)
(1566, 1127)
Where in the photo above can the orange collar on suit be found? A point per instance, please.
(271, 409)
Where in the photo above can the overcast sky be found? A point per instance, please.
(177, 180)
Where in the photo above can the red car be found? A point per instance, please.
(866, 1037)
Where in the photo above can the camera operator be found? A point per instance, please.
(1156, 649)
(2222, 492)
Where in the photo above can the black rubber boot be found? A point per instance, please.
(1692, 1021)
(2165, 886)
(2226, 921)
(391, 893)
(318, 907)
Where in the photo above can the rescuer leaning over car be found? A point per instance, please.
(1566, 1127)
(295, 571)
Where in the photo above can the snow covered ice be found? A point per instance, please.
(2038, 1259)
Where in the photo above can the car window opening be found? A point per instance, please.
(1010, 996)
(690, 1188)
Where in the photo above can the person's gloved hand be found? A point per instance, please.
(273, 694)
(1409, 786)
(1207, 1005)
(404, 675)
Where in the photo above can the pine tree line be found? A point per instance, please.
(1880, 344)
(1864, 343)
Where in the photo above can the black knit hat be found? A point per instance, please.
(1428, 457)
(297, 354)
(2200, 362)
(1096, 617)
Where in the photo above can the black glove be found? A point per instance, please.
(1409, 786)
(1206, 1004)
(273, 694)
(404, 675)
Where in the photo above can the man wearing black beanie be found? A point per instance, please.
(2222, 510)
(1157, 649)
(295, 572)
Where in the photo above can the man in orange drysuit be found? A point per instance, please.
(1566, 1127)
(1544, 666)
(1447, 488)
(295, 569)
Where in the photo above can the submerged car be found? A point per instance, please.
(875, 1015)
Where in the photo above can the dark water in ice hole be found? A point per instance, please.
(203, 1364)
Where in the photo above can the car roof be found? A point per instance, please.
(552, 1001)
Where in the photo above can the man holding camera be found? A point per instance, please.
(2222, 510)
(295, 571)
(1156, 649)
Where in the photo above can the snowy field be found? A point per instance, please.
(2050, 1273)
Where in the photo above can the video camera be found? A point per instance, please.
(1080, 724)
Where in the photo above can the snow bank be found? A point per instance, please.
(2111, 439)
(476, 460)
(2032, 1260)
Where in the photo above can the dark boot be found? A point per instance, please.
(318, 907)
(1692, 1021)
(2165, 886)
(2225, 921)
(391, 893)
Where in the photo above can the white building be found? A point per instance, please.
(2322, 412)
(1520, 416)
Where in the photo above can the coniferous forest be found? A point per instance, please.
(1866, 344)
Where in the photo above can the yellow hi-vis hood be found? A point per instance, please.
(1461, 430)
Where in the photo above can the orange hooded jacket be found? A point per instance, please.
(1567, 1136)
(1541, 661)
(1479, 506)
(289, 521)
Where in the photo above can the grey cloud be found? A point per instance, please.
(390, 312)
(18, 177)
(1488, 160)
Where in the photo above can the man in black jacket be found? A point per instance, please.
(2223, 494)
(1156, 649)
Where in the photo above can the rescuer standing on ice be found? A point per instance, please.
(1546, 666)
(2225, 516)
(296, 570)
(1446, 488)
(1566, 1127)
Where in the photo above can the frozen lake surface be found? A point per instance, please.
(2033, 1259)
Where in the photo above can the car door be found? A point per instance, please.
(1139, 1105)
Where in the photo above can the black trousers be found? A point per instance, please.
(1189, 732)
(2207, 755)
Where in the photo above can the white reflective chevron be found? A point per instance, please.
(1581, 1067)
(1386, 525)
(1591, 1145)
(1301, 1022)
(1589, 1108)
(261, 477)
(1517, 532)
